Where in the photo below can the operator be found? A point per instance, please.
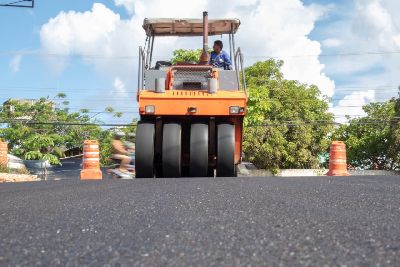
(119, 152)
(219, 58)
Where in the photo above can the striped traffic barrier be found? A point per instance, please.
(3, 154)
(338, 159)
(91, 161)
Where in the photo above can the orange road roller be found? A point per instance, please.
(191, 114)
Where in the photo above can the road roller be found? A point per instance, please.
(191, 113)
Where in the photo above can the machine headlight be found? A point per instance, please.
(234, 110)
(192, 109)
(149, 109)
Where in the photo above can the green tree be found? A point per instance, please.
(280, 124)
(368, 139)
(186, 55)
(45, 129)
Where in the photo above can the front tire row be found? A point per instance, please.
(171, 150)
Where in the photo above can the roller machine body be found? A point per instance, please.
(191, 115)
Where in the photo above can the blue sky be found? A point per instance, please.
(34, 63)
(21, 29)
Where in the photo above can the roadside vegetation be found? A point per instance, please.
(45, 129)
(288, 123)
(289, 126)
(7, 170)
(373, 141)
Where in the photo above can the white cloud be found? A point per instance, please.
(75, 32)
(282, 28)
(352, 105)
(16, 62)
(369, 26)
(97, 34)
(119, 87)
(376, 23)
(332, 42)
(269, 27)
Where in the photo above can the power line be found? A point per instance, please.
(58, 123)
(284, 123)
(366, 53)
(132, 101)
(133, 111)
(318, 124)
(137, 112)
(133, 97)
(72, 89)
(20, 3)
(126, 57)
(371, 86)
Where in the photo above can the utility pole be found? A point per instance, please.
(19, 3)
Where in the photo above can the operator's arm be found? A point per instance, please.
(119, 148)
(211, 61)
(227, 60)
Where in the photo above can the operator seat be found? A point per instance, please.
(160, 64)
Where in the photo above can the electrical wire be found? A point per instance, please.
(81, 90)
(18, 3)
(127, 57)
(283, 123)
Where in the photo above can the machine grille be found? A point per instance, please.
(191, 78)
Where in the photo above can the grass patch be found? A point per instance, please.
(5, 169)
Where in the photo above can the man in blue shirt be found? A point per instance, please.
(219, 58)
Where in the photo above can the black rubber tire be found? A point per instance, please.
(144, 157)
(198, 150)
(226, 150)
(172, 150)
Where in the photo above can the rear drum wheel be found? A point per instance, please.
(226, 150)
(199, 150)
(171, 150)
(144, 157)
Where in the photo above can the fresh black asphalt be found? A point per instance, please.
(315, 221)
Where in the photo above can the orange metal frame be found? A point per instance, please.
(180, 102)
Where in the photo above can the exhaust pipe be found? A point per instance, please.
(204, 55)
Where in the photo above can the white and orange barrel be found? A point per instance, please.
(3, 154)
(91, 161)
(338, 159)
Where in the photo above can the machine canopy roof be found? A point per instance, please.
(189, 27)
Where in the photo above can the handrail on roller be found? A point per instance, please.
(239, 66)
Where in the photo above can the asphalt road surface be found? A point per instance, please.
(319, 221)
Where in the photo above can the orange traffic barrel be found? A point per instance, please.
(338, 159)
(3, 154)
(91, 161)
